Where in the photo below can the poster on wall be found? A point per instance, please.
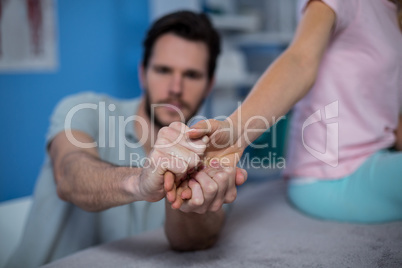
(28, 37)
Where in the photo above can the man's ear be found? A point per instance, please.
(142, 76)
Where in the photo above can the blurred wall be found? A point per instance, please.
(99, 50)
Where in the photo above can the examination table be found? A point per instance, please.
(262, 230)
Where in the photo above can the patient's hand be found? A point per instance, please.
(222, 151)
(225, 146)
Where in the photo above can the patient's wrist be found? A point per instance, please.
(236, 128)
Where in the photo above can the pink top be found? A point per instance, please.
(352, 110)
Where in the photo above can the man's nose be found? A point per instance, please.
(176, 86)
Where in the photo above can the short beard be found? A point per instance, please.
(158, 123)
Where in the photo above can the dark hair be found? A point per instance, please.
(188, 25)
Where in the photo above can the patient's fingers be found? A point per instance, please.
(186, 194)
(197, 198)
(202, 128)
(197, 146)
(171, 195)
(179, 201)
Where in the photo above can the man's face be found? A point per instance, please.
(176, 75)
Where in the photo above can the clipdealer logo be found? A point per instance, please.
(331, 154)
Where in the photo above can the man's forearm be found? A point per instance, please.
(95, 185)
(192, 231)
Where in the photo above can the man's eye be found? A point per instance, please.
(162, 70)
(193, 75)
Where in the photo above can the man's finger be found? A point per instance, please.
(241, 176)
(168, 181)
(169, 186)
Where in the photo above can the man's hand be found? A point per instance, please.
(173, 153)
(207, 190)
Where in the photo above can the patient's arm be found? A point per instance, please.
(288, 79)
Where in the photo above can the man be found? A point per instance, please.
(97, 145)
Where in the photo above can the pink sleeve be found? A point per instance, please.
(345, 11)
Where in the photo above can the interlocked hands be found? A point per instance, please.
(179, 169)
